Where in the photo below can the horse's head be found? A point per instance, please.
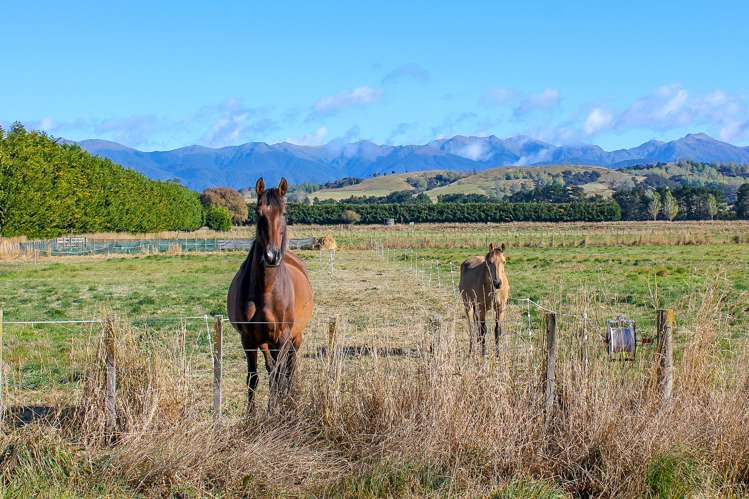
(271, 222)
(495, 262)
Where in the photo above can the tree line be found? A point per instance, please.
(48, 189)
(327, 214)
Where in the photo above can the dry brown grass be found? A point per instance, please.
(433, 423)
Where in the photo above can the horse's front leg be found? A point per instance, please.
(498, 311)
(252, 378)
(482, 337)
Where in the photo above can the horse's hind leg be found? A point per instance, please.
(470, 317)
(282, 371)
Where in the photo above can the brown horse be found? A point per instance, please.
(483, 283)
(270, 298)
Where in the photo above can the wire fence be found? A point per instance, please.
(84, 246)
(35, 364)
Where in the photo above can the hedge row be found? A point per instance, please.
(48, 189)
(457, 212)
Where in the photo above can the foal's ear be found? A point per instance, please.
(491, 246)
(502, 247)
(259, 187)
(283, 185)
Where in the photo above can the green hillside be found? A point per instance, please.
(381, 185)
(594, 180)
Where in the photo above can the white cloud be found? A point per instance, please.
(665, 108)
(546, 99)
(231, 122)
(474, 151)
(735, 130)
(46, 123)
(315, 138)
(672, 106)
(598, 119)
(406, 71)
(498, 96)
(360, 96)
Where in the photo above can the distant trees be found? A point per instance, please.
(711, 206)
(218, 218)
(742, 202)
(454, 212)
(397, 197)
(350, 216)
(426, 182)
(227, 198)
(49, 189)
(670, 206)
(683, 203)
(654, 204)
(553, 192)
(464, 198)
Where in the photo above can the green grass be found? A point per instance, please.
(674, 475)
(623, 279)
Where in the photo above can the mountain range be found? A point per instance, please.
(239, 166)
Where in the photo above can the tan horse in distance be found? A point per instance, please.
(484, 284)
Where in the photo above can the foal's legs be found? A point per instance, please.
(497, 329)
(481, 316)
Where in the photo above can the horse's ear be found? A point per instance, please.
(283, 185)
(259, 187)
(502, 247)
(491, 246)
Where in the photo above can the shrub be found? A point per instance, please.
(228, 198)
(218, 218)
(350, 216)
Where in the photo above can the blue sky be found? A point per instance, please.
(160, 75)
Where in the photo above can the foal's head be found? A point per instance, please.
(271, 222)
(495, 262)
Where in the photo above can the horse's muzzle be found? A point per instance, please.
(272, 258)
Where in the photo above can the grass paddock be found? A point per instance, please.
(391, 412)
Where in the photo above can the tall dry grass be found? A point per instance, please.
(433, 423)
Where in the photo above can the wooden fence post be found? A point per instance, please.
(217, 359)
(110, 405)
(665, 355)
(551, 363)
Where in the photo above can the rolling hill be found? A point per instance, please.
(239, 166)
(594, 180)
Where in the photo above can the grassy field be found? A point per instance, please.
(392, 412)
(377, 186)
